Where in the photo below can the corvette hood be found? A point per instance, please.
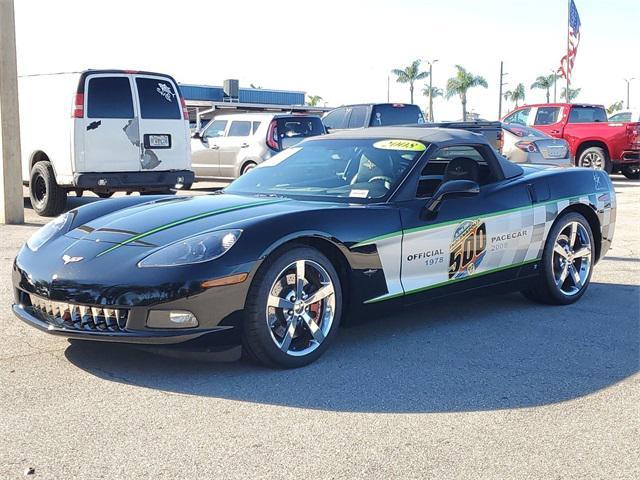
(161, 222)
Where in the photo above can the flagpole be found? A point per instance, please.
(567, 96)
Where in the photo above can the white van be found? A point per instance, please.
(102, 131)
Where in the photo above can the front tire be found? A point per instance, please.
(596, 158)
(48, 199)
(293, 309)
(567, 262)
(632, 172)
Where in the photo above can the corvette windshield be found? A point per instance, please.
(339, 169)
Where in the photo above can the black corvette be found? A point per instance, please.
(319, 232)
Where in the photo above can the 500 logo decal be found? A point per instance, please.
(467, 249)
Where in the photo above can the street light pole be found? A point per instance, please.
(628, 80)
(431, 89)
(502, 84)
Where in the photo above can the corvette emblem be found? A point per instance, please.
(69, 259)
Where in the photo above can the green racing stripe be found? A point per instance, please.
(187, 220)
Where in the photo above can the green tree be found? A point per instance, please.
(517, 94)
(432, 92)
(615, 107)
(410, 75)
(460, 85)
(545, 82)
(573, 93)
(313, 100)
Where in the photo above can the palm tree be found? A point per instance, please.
(461, 83)
(573, 93)
(518, 94)
(313, 100)
(432, 92)
(409, 75)
(545, 82)
(615, 107)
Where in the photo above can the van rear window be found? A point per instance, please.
(158, 99)
(396, 114)
(109, 97)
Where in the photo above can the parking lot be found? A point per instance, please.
(496, 387)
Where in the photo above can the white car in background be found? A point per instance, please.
(104, 131)
(528, 145)
(232, 144)
(625, 116)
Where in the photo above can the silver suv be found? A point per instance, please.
(233, 144)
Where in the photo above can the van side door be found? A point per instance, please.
(111, 139)
(164, 133)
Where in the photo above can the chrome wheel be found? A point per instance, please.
(300, 307)
(572, 258)
(593, 160)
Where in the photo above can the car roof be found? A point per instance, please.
(260, 116)
(435, 135)
(558, 104)
(378, 104)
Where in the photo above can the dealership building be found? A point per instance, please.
(205, 101)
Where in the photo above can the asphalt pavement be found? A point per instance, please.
(491, 387)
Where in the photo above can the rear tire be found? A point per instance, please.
(48, 199)
(284, 327)
(567, 262)
(632, 172)
(247, 167)
(596, 158)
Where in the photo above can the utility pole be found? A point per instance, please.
(628, 80)
(502, 84)
(431, 89)
(11, 201)
(388, 88)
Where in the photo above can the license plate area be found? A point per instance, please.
(556, 152)
(157, 140)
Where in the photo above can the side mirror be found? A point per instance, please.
(450, 189)
(326, 129)
(196, 135)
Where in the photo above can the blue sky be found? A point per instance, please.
(341, 50)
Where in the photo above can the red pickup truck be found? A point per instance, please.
(593, 140)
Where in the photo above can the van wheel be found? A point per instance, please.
(47, 197)
(596, 158)
(104, 194)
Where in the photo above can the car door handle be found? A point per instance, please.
(555, 131)
(244, 145)
(214, 147)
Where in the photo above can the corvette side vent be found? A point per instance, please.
(80, 317)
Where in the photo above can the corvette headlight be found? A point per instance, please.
(46, 233)
(196, 249)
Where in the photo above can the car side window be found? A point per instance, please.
(255, 126)
(460, 162)
(358, 117)
(336, 118)
(239, 128)
(547, 115)
(520, 117)
(587, 114)
(216, 129)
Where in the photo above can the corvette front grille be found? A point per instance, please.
(80, 317)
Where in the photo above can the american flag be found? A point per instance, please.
(566, 63)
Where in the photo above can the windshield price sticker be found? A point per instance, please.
(355, 193)
(405, 145)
